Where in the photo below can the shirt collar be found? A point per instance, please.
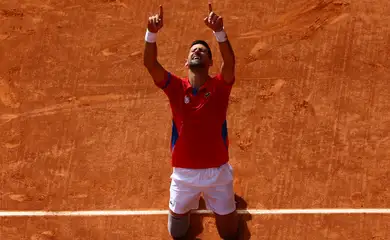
(204, 87)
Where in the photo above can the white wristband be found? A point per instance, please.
(220, 36)
(150, 36)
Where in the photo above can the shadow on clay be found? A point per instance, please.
(196, 227)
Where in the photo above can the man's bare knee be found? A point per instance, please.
(178, 224)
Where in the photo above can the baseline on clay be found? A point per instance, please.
(165, 212)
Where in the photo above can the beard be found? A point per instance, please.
(195, 64)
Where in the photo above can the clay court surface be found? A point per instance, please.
(82, 126)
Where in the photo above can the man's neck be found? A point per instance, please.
(197, 78)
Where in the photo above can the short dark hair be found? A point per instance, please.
(204, 43)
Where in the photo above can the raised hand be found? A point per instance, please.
(213, 21)
(155, 22)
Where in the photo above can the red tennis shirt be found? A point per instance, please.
(199, 127)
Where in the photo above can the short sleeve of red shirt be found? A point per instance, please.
(226, 87)
(172, 86)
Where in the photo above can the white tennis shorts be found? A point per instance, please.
(216, 185)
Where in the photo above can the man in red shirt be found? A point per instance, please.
(199, 142)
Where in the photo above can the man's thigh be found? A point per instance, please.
(183, 197)
(220, 199)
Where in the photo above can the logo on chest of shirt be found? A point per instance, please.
(186, 99)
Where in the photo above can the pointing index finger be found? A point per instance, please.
(161, 14)
(210, 8)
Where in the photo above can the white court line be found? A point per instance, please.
(165, 212)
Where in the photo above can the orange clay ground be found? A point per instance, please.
(82, 126)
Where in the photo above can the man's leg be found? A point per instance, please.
(178, 224)
(220, 199)
(227, 225)
(183, 198)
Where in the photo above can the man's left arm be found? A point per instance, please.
(215, 22)
(228, 64)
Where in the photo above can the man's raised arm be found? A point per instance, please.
(151, 63)
(215, 22)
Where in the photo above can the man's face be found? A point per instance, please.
(198, 57)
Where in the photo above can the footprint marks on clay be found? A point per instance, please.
(7, 97)
(266, 95)
(301, 24)
(75, 104)
(11, 13)
(305, 106)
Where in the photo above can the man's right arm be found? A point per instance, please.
(158, 73)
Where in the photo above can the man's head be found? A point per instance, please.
(199, 55)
